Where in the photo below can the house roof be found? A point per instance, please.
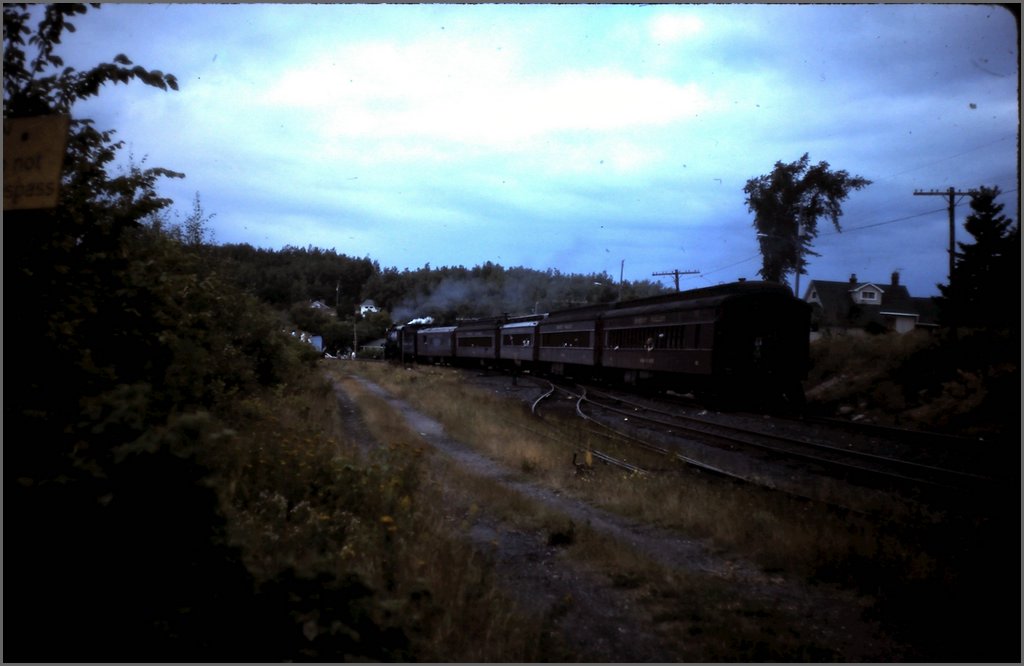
(834, 304)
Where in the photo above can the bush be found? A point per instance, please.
(969, 385)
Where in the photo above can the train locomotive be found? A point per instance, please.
(738, 342)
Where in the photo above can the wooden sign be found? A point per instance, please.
(33, 157)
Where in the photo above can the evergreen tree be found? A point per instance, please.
(984, 290)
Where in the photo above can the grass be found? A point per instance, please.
(713, 632)
(303, 505)
(793, 537)
(779, 532)
(367, 549)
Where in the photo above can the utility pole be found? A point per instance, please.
(799, 258)
(949, 193)
(676, 273)
(355, 341)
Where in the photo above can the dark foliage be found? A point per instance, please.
(787, 204)
(984, 290)
(131, 344)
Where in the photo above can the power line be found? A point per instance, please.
(742, 261)
(943, 159)
(879, 224)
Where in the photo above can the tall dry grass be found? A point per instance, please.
(780, 532)
(303, 503)
(672, 597)
(900, 558)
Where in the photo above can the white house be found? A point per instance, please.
(855, 307)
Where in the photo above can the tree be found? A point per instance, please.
(787, 204)
(195, 230)
(67, 278)
(34, 87)
(114, 516)
(93, 204)
(984, 288)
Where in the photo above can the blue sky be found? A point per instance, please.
(583, 138)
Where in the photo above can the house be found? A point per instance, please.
(856, 308)
(323, 308)
(367, 307)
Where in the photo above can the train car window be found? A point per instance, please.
(691, 336)
(650, 337)
(476, 341)
(621, 339)
(674, 338)
(566, 339)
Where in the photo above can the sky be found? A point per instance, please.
(586, 138)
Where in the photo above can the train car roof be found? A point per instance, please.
(697, 298)
(479, 324)
(521, 324)
(708, 295)
(714, 291)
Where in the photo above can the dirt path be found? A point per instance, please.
(604, 622)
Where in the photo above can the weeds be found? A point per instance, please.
(303, 506)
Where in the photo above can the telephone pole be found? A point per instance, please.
(676, 273)
(949, 193)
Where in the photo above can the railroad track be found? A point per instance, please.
(817, 451)
(794, 460)
(630, 440)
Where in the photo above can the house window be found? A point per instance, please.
(868, 295)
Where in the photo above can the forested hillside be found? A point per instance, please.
(290, 279)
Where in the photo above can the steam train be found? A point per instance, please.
(737, 342)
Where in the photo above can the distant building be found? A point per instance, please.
(857, 308)
(323, 308)
(367, 307)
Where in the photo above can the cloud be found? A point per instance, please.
(563, 136)
(669, 28)
(469, 94)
